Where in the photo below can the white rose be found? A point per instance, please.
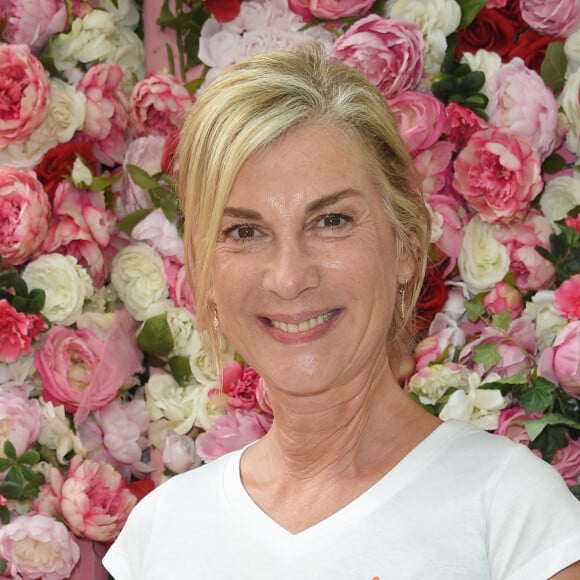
(547, 319)
(81, 174)
(128, 51)
(66, 285)
(124, 12)
(482, 261)
(179, 453)
(202, 365)
(166, 399)
(56, 433)
(66, 111)
(139, 278)
(430, 383)
(89, 40)
(187, 340)
(437, 19)
(572, 51)
(30, 153)
(559, 197)
(205, 409)
(570, 102)
(487, 62)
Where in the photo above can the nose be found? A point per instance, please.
(291, 269)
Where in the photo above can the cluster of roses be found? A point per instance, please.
(106, 386)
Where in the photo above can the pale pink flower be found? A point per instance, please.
(179, 288)
(499, 175)
(84, 372)
(461, 124)
(560, 363)
(566, 461)
(532, 272)
(521, 102)
(388, 51)
(516, 348)
(444, 336)
(94, 500)
(330, 9)
(420, 117)
(179, 453)
(32, 22)
(25, 90)
(567, 297)
(159, 233)
(504, 298)
(573, 222)
(158, 105)
(434, 167)
(509, 424)
(551, 17)
(24, 215)
(232, 431)
(106, 113)
(17, 331)
(38, 546)
(20, 420)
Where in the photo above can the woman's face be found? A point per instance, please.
(305, 270)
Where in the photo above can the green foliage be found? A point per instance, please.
(155, 336)
(553, 70)
(181, 370)
(474, 308)
(539, 397)
(21, 482)
(15, 291)
(502, 320)
(469, 10)
(564, 252)
(486, 354)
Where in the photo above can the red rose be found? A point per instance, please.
(432, 298)
(531, 48)
(58, 162)
(141, 487)
(490, 30)
(512, 11)
(223, 10)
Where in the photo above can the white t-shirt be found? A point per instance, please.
(463, 504)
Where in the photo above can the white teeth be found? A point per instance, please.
(302, 326)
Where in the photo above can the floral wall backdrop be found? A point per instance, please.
(105, 385)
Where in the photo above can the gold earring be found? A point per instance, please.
(403, 309)
(215, 321)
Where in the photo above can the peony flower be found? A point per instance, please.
(160, 234)
(521, 102)
(24, 215)
(17, 331)
(420, 117)
(560, 363)
(19, 420)
(434, 167)
(330, 9)
(504, 298)
(179, 453)
(38, 546)
(240, 384)
(139, 278)
(551, 17)
(388, 51)
(158, 105)
(498, 174)
(232, 431)
(179, 289)
(66, 286)
(567, 297)
(460, 124)
(94, 500)
(83, 371)
(25, 90)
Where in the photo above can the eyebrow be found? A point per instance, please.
(314, 206)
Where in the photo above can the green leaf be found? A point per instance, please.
(474, 308)
(9, 449)
(9, 490)
(549, 441)
(575, 489)
(471, 83)
(101, 182)
(486, 354)
(553, 70)
(36, 300)
(3, 564)
(181, 369)
(32, 476)
(469, 10)
(155, 336)
(4, 518)
(535, 426)
(553, 163)
(141, 177)
(539, 397)
(8, 278)
(127, 224)
(502, 320)
(14, 475)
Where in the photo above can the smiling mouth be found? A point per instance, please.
(302, 326)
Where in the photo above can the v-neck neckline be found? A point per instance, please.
(270, 531)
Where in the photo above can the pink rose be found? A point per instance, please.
(24, 215)
(421, 118)
(33, 22)
(106, 117)
(17, 331)
(567, 297)
(521, 102)
(499, 174)
(179, 288)
(532, 272)
(94, 500)
(240, 384)
(560, 363)
(445, 337)
(434, 167)
(516, 348)
(330, 9)
(25, 90)
(509, 425)
(461, 124)
(84, 372)
(551, 17)
(38, 546)
(388, 51)
(158, 105)
(20, 419)
(573, 222)
(232, 431)
(81, 228)
(504, 298)
(566, 461)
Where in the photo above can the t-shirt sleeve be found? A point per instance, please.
(534, 520)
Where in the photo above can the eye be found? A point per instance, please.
(240, 232)
(333, 220)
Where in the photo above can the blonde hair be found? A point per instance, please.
(256, 102)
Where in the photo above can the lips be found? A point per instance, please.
(294, 328)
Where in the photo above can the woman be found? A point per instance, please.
(306, 241)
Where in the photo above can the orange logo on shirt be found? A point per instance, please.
(375, 578)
